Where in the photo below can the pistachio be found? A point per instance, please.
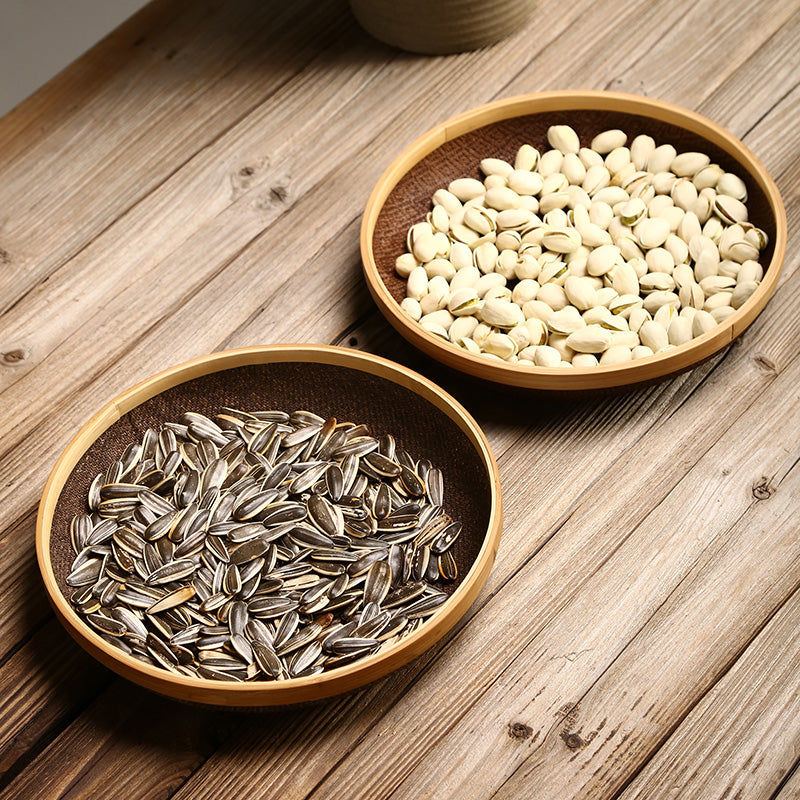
(412, 308)
(602, 259)
(574, 170)
(440, 267)
(550, 162)
(468, 344)
(487, 282)
(537, 331)
(618, 159)
(580, 292)
(656, 282)
(565, 322)
(616, 354)
(524, 182)
(447, 200)
(659, 259)
(641, 351)
(584, 360)
(500, 344)
(729, 209)
(609, 140)
(680, 331)
(721, 313)
(742, 292)
(417, 284)
(632, 211)
(537, 309)
(717, 300)
(597, 178)
(462, 327)
(732, 186)
(501, 313)
(485, 257)
(689, 164)
(655, 300)
(479, 220)
(524, 291)
(553, 295)
(527, 158)
(691, 295)
(465, 189)
(508, 240)
(625, 280)
(464, 302)
(514, 219)
(702, 323)
(496, 166)
(546, 356)
(652, 232)
(624, 304)
(405, 264)
(637, 318)
(716, 283)
(465, 277)
(460, 255)
(591, 339)
(563, 138)
(501, 198)
(521, 337)
(589, 158)
(654, 336)
(435, 328)
(660, 159)
(559, 343)
(641, 148)
(664, 316)
(707, 177)
(563, 240)
(750, 271)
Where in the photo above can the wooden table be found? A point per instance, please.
(195, 182)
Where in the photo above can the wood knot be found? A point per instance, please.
(5, 256)
(278, 194)
(572, 740)
(519, 730)
(246, 172)
(761, 489)
(767, 364)
(14, 357)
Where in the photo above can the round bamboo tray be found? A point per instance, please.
(332, 381)
(454, 149)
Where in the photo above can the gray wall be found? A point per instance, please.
(38, 38)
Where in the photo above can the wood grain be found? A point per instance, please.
(195, 182)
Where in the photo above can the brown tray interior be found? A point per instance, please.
(325, 389)
(410, 200)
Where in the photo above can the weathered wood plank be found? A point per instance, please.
(744, 735)
(105, 754)
(23, 603)
(41, 687)
(185, 78)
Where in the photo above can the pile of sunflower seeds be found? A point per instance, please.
(261, 545)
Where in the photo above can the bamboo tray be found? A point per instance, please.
(454, 149)
(332, 381)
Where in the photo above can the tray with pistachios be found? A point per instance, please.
(582, 256)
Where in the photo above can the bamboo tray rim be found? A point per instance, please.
(577, 378)
(293, 690)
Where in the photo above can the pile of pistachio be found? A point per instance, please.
(581, 256)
